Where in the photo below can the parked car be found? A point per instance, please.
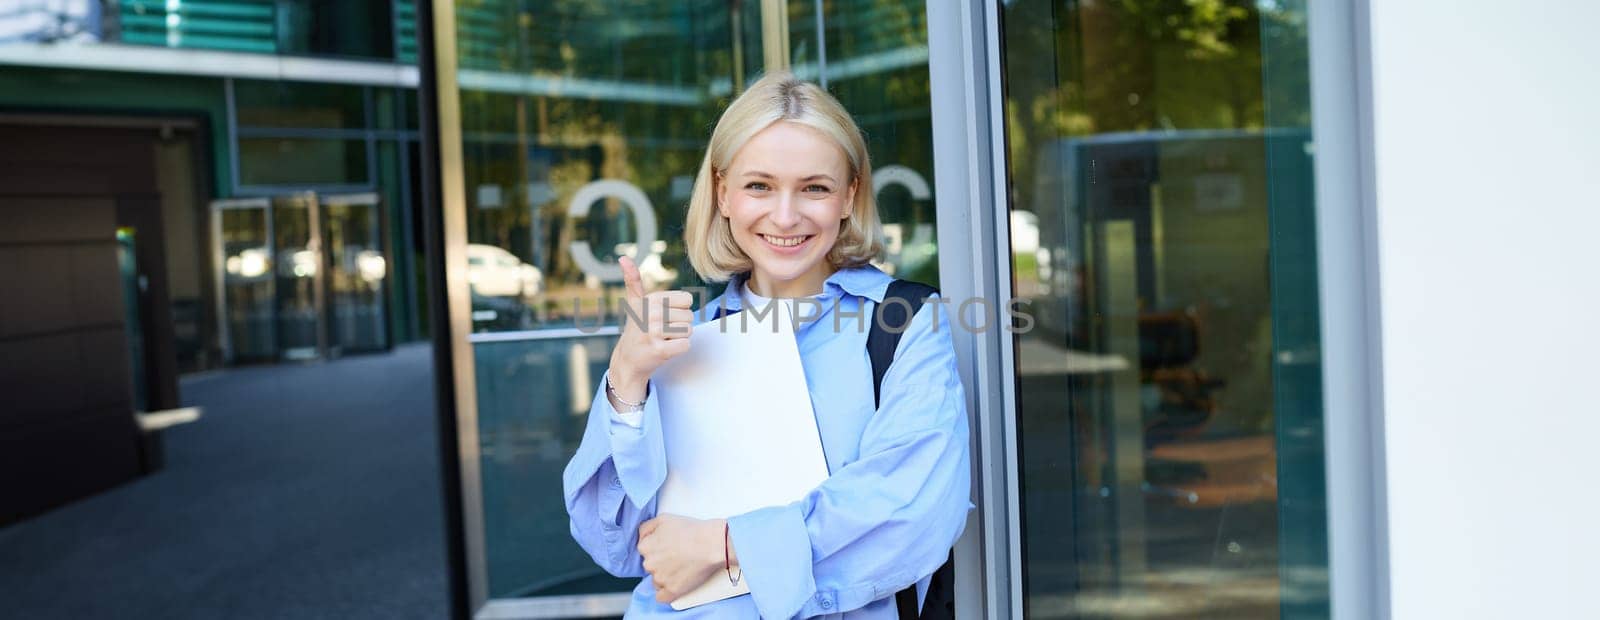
(494, 272)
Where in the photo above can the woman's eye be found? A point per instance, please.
(757, 186)
(816, 189)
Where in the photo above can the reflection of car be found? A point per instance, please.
(652, 273)
(494, 272)
(499, 314)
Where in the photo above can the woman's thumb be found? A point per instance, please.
(630, 277)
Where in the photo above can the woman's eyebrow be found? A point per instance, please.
(764, 175)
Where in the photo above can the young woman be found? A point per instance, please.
(783, 209)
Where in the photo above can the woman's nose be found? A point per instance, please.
(786, 214)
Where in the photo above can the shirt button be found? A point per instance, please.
(616, 483)
(827, 604)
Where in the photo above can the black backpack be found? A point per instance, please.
(881, 343)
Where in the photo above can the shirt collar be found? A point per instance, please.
(864, 281)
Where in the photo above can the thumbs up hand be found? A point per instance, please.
(662, 334)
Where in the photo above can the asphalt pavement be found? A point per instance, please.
(304, 491)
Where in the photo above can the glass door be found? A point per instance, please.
(356, 272)
(245, 279)
(1168, 397)
(298, 277)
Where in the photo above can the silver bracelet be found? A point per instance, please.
(632, 407)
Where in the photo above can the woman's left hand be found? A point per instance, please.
(680, 553)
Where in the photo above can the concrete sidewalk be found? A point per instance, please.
(305, 491)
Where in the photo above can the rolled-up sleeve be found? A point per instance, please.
(610, 484)
(885, 521)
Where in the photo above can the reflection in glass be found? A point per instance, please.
(302, 161)
(321, 28)
(300, 105)
(873, 56)
(299, 324)
(1150, 195)
(557, 97)
(247, 282)
(534, 399)
(128, 277)
(301, 278)
(356, 272)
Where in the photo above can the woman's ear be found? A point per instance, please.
(850, 199)
(719, 193)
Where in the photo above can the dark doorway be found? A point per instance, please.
(87, 330)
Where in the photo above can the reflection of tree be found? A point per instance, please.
(890, 104)
(568, 141)
(1128, 65)
(1078, 69)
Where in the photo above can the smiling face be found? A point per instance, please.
(785, 194)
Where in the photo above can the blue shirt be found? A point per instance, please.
(895, 500)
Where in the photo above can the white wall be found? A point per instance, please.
(1486, 145)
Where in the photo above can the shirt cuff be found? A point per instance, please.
(774, 550)
(638, 450)
(634, 419)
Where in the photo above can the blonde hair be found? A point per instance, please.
(779, 97)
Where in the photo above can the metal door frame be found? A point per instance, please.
(975, 262)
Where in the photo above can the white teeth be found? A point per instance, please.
(785, 241)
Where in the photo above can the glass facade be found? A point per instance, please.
(341, 118)
(337, 139)
(288, 162)
(1168, 407)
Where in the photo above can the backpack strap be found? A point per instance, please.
(901, 302)
(905, 603)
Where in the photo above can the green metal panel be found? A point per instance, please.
(250, 9)
(187, 26)
(201, 41)
(273, 27)
(405, 31)
(234, 25)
